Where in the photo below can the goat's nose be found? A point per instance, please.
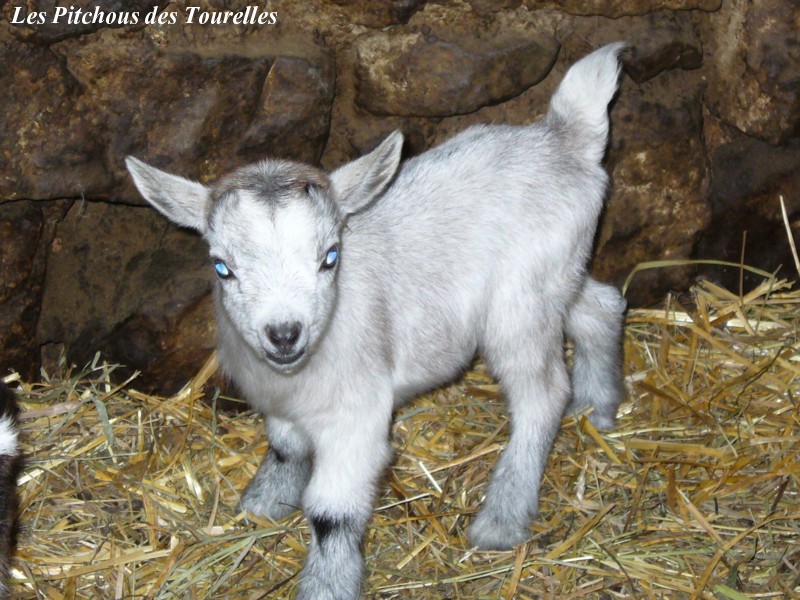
(285, 335)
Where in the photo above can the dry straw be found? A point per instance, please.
(694, 495)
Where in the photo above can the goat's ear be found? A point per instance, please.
(182, 201)
(357, 183)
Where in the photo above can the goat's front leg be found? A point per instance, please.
(276, 491)
(351, 452)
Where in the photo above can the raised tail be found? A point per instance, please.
(580, 105)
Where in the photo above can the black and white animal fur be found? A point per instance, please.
(480, 244)
(9, 455)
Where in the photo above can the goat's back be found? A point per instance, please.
(496, 209)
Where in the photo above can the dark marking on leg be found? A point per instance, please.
(279, 456)
(342, 529)
(324, 526)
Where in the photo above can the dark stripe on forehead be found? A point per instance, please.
(272, 181)
(275, 183)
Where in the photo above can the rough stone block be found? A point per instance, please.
(418, 74)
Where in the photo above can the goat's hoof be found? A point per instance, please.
(255, 504)
(488, 532)
(315, 588)
(602, 422)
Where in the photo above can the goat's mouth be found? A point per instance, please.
(285, 360)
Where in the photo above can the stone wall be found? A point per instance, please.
(704, 139)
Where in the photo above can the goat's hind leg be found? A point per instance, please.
(530, 367)
(277, 488)
(595, 326)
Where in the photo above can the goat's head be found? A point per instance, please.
(274, 233)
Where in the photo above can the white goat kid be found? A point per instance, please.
(9, 464)
(342, 296)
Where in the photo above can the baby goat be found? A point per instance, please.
(9, 456)
(343, 295)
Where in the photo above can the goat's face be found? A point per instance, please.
(274, 229)
(276, 257)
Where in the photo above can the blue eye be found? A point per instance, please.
(222, 269)
(331, 258)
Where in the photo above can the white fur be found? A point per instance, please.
(576, 99)
(478, 245)
(8, 437)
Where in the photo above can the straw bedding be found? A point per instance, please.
(694, 495)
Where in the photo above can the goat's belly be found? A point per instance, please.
(429, 370)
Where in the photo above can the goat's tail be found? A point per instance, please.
(580, 105)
